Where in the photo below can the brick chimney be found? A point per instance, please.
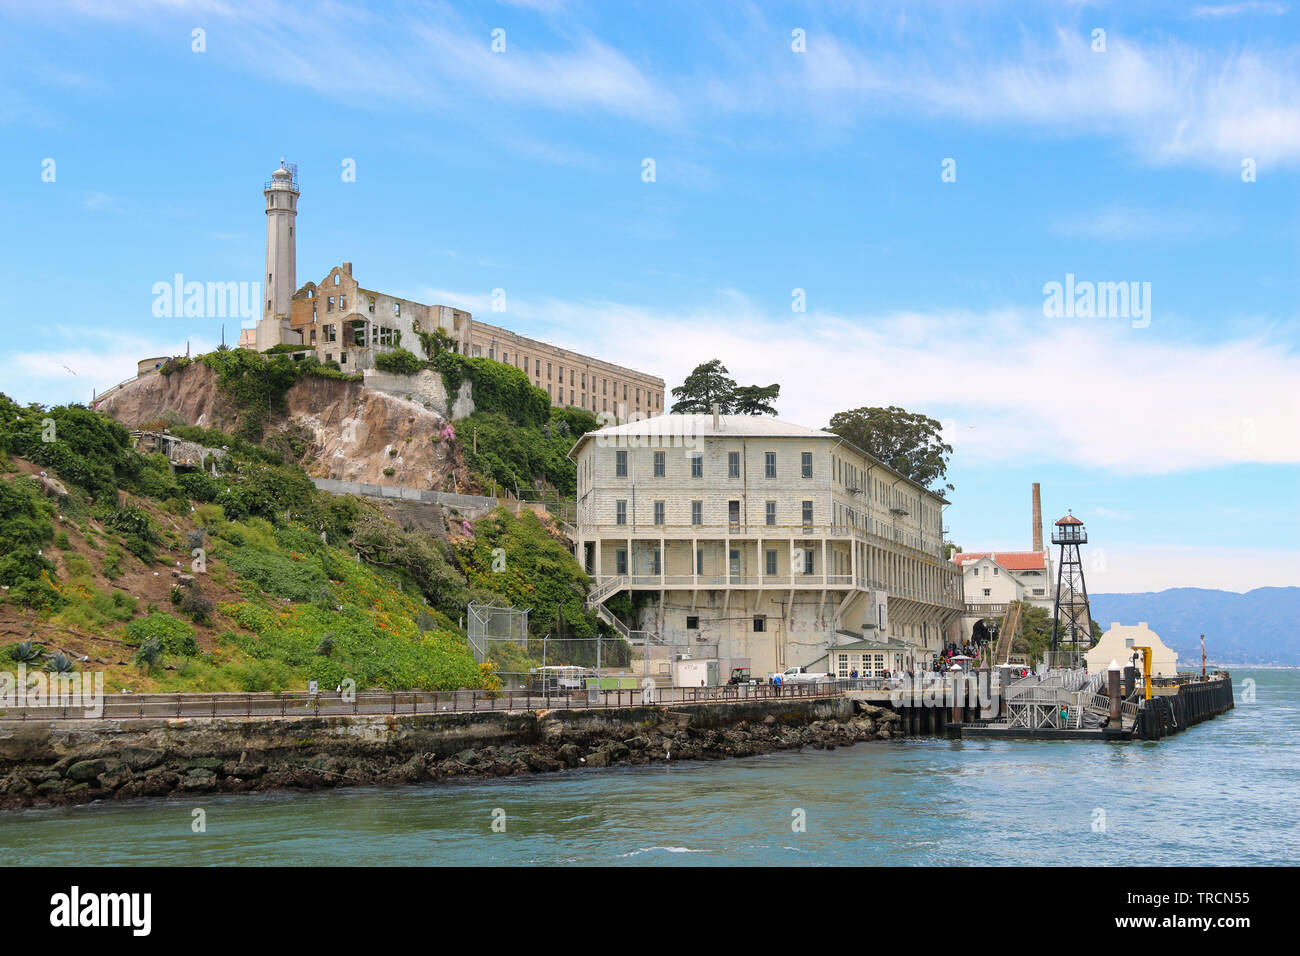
(1038, 520)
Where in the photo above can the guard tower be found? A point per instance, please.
(1071, 622)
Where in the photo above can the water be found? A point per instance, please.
(1222, 793)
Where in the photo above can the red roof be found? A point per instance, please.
(1011, 560)
(1069, 519)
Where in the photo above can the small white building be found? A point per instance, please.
(1118, 644)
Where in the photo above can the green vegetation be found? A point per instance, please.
(709, 384)
(26, 525)
(256, 383)
(910, 443)
(399, 362)
(516, 456)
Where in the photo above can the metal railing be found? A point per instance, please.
(302, 704)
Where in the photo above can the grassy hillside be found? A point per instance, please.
(248, 581)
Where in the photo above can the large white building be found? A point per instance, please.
(763, 539)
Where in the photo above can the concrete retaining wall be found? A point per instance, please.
(444, 498)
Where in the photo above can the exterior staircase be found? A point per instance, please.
(1007, 632)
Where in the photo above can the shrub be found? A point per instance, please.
(279, 575)
(37, 593)
(398, 362)
(26, 652)
(26, 525)
(61, 541)
(149, 655)
(112, 566)
(172, 634)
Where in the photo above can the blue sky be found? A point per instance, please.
(775, 170)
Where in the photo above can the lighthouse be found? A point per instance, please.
(281, 256)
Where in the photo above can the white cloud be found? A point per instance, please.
(1138, 569)
(1096, 393)
(1237, 9)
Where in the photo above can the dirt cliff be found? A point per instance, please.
(356, 433)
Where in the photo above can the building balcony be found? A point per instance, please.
(606, 585)
(744, 531)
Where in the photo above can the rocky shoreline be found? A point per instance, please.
(555, 743)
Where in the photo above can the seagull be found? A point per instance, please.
(70, 370)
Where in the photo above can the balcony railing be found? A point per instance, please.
(756, 531)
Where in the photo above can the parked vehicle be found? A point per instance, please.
(797, 675)
(741, 675)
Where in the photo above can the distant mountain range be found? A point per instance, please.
(1259, 627)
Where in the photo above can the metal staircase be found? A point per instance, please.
(1007, 632)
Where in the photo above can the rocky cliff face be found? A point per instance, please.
(357, 433)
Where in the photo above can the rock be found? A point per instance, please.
(199, 781)
(84, 770)
(598, 758)
(769, 720)
(246, 771)
(617, 750)
(77, 790)
(212, 764)
(468, 758)
(539, 762)
(571, 754)
(113, 778)
(57, 785)
(141, 758)
(637, 743)
(883, 734)
(159, 782)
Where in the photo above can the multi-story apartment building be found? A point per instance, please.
(346, 323)
(771, 541)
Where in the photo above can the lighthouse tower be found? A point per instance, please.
(1071, 621)
(281, 257)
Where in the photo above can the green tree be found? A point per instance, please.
(755, 399)
(910, 443)
(711, 384)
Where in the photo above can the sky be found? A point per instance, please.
(867, 203)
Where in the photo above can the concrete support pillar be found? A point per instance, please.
(1113, 686)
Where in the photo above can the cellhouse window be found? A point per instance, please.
(733, 464)
(760, 623)
(769, 464)
(770, 513)
(805, 464)
(697, 464)
(807, 513)
(769, 562)
(659, 512)
(692, 622)
(620, 464)
(620, 561)
(620, 512)
(697, 512)
(660, 463)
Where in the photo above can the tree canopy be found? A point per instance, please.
(711, 384)
(910, 443)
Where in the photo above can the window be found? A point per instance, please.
(620, 464)
(343, 358)
(986, 592)
(620, 561)
(1038, 592)
(760, 623)
(660, 464)
(769, 464)
(659, 512)
(656, 566)
(808, 560)
(733, 514)
(770, 513)
(370, 303)
(329, 304)
(397, 308)
(697, 464)
(769, 562)
(807, 514)
(336, 278)
(805, 464)
(548, 370)
(343, 303)
(733, 464)
(620, 512)
(699, 560)
(692, 622)
(697, 512)
(525, 364)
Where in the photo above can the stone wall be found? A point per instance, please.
(76, 761)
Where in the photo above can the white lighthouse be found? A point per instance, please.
(281, 257)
